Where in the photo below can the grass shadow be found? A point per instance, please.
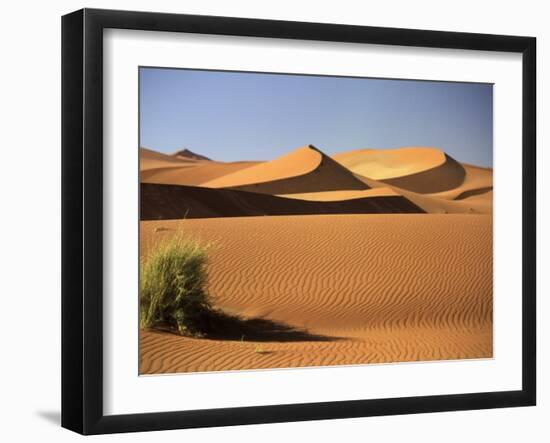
(231, 327)
(218, 325)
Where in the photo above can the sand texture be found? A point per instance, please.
(357, 288)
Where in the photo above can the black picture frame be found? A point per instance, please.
(82, 218)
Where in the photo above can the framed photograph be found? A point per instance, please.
(269, 221)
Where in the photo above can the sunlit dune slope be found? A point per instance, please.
(194, 174)
(301, 171)
(382, 164)
(183, 167)
(160, 202)
(367, 288)
(149, 159)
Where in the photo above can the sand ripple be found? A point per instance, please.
(387, 288)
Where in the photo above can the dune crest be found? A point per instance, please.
(304, 170)
(416, 169)
(187, 153)
(382, 164)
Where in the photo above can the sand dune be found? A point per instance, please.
(302, 171)
(160, 202)
(376, 288)
(186, 153)
(421, 170)
(383, 164)
(427, 177)
(184, 167)
(192, 174)
(476, 181)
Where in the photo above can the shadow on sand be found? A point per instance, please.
(230, 327)
(218, 325)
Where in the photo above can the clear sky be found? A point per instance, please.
(232, 116)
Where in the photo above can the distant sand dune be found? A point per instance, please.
(186, 153)
(427, 177)
(390, 287)
(301, 171)
(192, 174)
(477, 181)
(420, 170)
(383, 164)
(149, 159)
(160, 202)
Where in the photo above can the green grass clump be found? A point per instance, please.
(173, 287)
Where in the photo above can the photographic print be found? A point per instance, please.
(294, 221)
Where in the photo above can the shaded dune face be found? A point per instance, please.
(447, 176)
(163, 202)
(186, 153)
(302, 171)
(474, 192)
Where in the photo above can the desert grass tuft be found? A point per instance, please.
(173, 287)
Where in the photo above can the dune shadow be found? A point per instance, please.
(474, 192)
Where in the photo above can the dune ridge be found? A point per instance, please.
(304, 170)
(187, 153)
(427, 177)
(382, 164)
(420, 170)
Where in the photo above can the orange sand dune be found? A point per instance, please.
(149, 159)
(161, 202)
(194, 174)
(417, 169)
(454, 201)
(476, 179)
(302, 171)
(361, 288)
(183, 168)
(186, 153)
(382, 164)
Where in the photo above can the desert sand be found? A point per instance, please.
(366, 288)
(371, 256)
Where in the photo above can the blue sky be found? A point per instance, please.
(232, 116)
